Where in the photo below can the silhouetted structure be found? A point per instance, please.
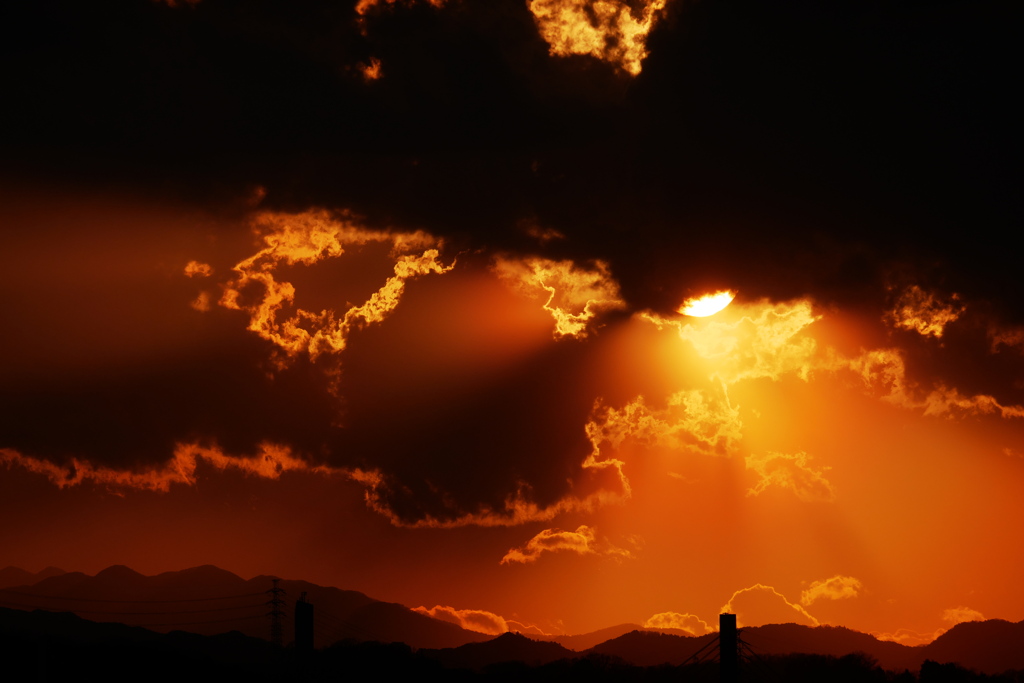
(303, 625)
(728, 648)
(276, 613)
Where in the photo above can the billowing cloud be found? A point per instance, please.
(481, 621)
(690, 419)
(791, 471)
(961, 614)
(611, 30)
(926, 313)
(884, 371)
(675, 621)
(909, 637)
(583, 541)
(270, 462)
(304, 239)
(761, 339)
(574, 294)
(198, 269)
(761, 604)
(836, 588)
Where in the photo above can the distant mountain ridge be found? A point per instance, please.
(209, 600)
(16, 576)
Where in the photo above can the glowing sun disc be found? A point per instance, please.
(709, 304)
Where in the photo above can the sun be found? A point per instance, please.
(708, 304)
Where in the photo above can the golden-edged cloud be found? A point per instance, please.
(477, 620)
(791, 471)
(761, 604)
(674, 621)
(270, 462)
(583, 541)
(961, 614)
(575, 295)
(614, 31)
(305, 239)
(836, 588)
(926, 313)
(690, 419)
(766, 340)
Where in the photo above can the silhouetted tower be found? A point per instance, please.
(303, 625)
(276, 613)
(728, 649)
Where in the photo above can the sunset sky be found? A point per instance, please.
(386, 295)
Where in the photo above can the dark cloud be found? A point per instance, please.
(784, 150)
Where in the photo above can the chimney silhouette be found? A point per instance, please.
(728, 649)
(303, 625)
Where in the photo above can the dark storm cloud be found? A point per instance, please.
(782, 149)
(760, 145)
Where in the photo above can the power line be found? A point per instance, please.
(276, 613)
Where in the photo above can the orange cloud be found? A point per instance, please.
(575, 295)
(767, 340)
(372, 70)
(197, 269)
(764, 605)
(905, 636)
(924, 312)
(884, 371)
(614, 31)
(305, 239)
(1010, 338)
(606, 479)
(477, 620)
(582, 541)
(793, 472)
(837, 588)
(675, 621)
(270, 462)
(690, 419)
(959, 615)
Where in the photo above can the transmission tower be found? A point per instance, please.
(276, 613)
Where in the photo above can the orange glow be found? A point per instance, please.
(609, 30)
(708, 304)
(575, 295)
(197, 269)
(371, 71)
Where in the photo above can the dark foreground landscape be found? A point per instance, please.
(357, 638)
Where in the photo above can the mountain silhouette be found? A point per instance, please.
(991, 646)
(209, 600)
(508, 647)
(651, 648)
(16, 576)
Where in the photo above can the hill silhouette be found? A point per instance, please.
(508, 647)
(211, 601)
(16, 576)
